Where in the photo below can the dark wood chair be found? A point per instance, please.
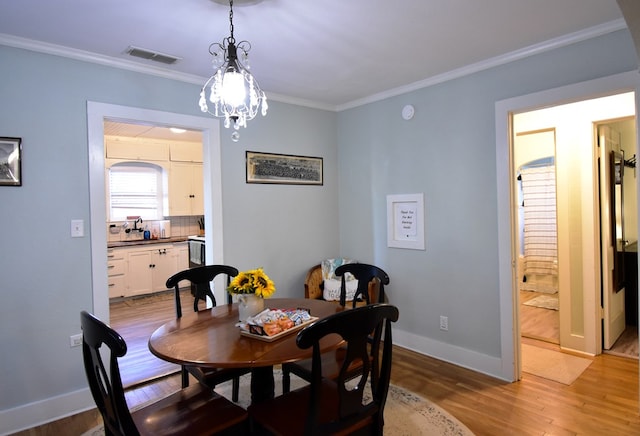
(365, 274)
(314, 285)
(201, 278)
(336, 406)
(195, 410)
(369, 277)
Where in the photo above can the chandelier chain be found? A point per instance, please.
(231, 38)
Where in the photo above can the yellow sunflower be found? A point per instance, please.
(254, 281)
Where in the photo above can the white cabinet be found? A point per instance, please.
(186, 186)
(117, 147)
(143, 269)
(139, 272)
(116, 269)
(164, 265)
(186, 152)
(182, 255)
(149, 268)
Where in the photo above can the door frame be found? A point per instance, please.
(212, 174)
(507, 266)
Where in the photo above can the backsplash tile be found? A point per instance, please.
(180, 226)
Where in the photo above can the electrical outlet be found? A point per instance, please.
(444, 323)
(75, 340)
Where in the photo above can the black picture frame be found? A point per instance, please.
(285, 169)
(10, 161)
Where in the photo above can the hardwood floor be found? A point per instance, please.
(536, 322)
(136, 319)
(544, 325)
(604, 400)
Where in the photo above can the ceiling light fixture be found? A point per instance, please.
(232, 92)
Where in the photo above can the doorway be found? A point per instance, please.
(97, 113)
(507, 280)
(562, 142)
(537, 253)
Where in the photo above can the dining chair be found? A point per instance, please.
(364, 273)
(332, 360)
(195, 410)
(201, 278)
(337, 406)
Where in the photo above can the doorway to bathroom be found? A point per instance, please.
(568, 213)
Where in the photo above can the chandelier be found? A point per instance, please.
(232, 92)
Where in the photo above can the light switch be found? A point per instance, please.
(77, 228)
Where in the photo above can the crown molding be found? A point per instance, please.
(572, 38)
(85, 56)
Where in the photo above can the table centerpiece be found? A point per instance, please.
(251, 288)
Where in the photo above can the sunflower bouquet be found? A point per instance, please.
(254, 281)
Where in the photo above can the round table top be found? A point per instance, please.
(210, 338)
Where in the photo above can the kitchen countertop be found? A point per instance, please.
(114, 244)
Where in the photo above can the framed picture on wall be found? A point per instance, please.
(283, 169)
(10, 161)
(405, 221)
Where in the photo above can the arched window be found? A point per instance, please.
(135, 189)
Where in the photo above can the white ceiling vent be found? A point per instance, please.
(152, 55)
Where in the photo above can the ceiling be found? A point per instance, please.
(330, 54)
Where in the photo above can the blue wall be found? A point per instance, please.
(448, 152)
(46, 275)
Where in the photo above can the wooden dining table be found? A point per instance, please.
(211, 338)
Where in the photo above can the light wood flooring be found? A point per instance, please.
(544, 325)
(136, 319)
(604, 400)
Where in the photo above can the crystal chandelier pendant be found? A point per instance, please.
(232, 92)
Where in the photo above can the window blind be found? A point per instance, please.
(135, 189)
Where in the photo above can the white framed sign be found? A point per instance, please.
(405, 221)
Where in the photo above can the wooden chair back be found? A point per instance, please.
(355, 326)
(105, 382)
(192, 411)
(365, 273)
(201, 277)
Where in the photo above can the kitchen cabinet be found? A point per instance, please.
(164, 265)
(182, 255)
(186, 152)
(139, 272)
(186, 189)
(116, 269)
(143, 269)
(149, 268)
(136, 149)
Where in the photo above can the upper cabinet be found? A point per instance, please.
(185, 152)
(186, 188)
(118, 147)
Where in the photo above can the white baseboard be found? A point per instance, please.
(463, 357)
(44, 411)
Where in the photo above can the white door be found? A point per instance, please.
(612, 234)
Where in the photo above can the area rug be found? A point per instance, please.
(405, 413)
(552, 365)
(544, 301)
